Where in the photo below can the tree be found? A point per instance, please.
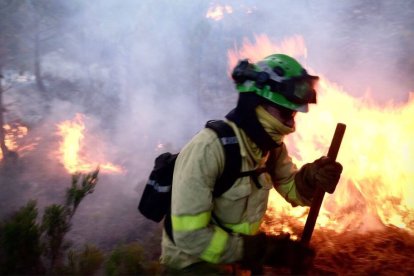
(29, 29)
(46, 20)
(9, 26)
(3, 147)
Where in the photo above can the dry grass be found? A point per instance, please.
(383, 252)
(389, 251)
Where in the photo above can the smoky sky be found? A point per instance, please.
(166, 63)
(161, 66)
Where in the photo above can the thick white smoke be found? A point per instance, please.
(161, 69)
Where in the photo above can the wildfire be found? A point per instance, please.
(376, 187)
(14, 134)
(72, 149)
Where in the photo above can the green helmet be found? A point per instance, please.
(278, 78)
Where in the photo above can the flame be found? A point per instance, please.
(217, 12)
(14, 135)
(263, 46)
(376, 187)
(72, 149)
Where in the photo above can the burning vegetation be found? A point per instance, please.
(385, 251)
(14, 138)
(73, 151)
(365, 227)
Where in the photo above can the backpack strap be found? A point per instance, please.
(232, 156)
(231, 170)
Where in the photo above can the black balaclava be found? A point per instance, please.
(244, 116)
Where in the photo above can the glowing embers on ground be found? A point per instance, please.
(79, 156)
(15, 134)
(376, 188)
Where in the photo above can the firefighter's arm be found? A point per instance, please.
(196, 169)
(283, 172)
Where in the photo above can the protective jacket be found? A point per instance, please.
(198, 219)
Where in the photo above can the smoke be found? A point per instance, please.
(161, 71)
(363, 46)
(157, 58)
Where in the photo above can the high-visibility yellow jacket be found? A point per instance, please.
(197, 237)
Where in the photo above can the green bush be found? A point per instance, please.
(23, 242)
(28, 247)
(55, 224)
(130, 259)
(20, 247)
(86, 262)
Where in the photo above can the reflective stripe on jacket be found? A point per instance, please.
(197, 235)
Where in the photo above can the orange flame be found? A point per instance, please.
(72, 149)
(14, 133)
(376, 187)
(263, 46)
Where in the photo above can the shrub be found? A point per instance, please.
(85, 262)
(129, 259)
(23, 242)
(20, 247)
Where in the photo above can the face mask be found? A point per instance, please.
(273, 125)
(284, 115)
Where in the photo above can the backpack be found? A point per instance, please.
(155, 202)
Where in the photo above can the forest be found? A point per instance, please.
(92, 91)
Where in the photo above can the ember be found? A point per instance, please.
(72, 150)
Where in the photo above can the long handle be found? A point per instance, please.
(320, 193)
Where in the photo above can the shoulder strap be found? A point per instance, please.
(231, 170)
(232, 156)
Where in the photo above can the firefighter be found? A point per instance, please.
(209, 232)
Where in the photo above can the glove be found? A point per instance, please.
(275, 251)
(323, 172)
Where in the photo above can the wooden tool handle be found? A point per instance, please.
(320, 193)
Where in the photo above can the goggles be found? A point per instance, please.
(299, 90)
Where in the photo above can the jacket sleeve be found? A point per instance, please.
(197, 167)
(283, 172)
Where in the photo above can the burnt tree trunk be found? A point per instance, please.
(37, 65)
(3, 147)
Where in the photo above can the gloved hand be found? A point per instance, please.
(275, 251)
(323, 172)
